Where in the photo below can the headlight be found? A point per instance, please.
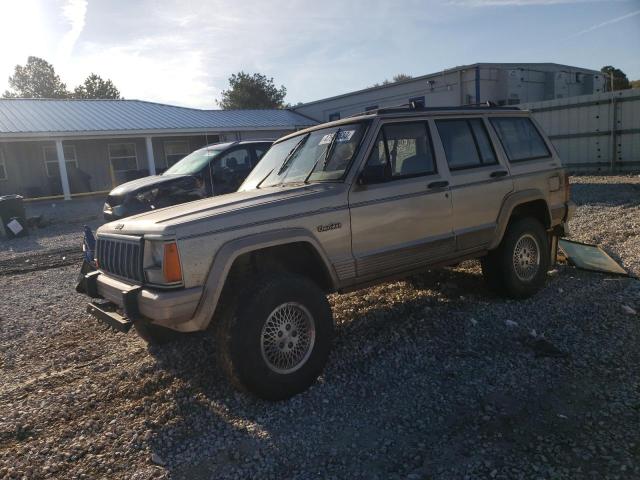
(162, 262)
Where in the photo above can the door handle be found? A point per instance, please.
(499, 173)
(438, 184)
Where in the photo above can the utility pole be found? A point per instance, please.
(611, 75)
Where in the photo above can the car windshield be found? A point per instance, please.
(321, 155)
(194, 162)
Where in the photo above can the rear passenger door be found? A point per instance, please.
(404, 220)
(480, 179)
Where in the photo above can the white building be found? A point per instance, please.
(501, 83)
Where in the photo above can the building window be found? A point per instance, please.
(175, 150)
(123, 157)
(370, 108)
(211, 139)
(417, 101)
(3, 166)
(334, 116)
(51, 159)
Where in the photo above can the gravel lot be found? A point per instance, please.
(443, 381)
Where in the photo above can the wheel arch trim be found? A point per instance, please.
(510, 203)
(230, 251)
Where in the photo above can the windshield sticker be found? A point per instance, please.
(344, 136)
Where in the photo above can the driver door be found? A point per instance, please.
(403, 220)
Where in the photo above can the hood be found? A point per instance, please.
(232, 210)
(141, 183)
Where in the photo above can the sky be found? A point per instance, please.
(182, 52)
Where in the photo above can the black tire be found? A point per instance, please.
(532, 259)
(239, 336)
(154, 334)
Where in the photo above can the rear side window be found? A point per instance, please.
(405, 148)
(466, 143)
(520, 138)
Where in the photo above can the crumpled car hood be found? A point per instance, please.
(143, 182)
(227, 211)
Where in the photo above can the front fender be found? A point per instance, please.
(230, 251)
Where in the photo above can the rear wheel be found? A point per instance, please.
(277, 341)
(518, 267)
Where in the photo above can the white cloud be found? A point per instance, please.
(604, 24)
(522, 3)
(161, 68)
(74, 12)
(17, 41)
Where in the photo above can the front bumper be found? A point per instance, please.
(170, 308)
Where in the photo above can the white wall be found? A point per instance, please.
(508, 83)
(599, 132)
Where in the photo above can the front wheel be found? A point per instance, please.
(518, 267)
(277, 341)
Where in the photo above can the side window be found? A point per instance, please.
(466, 143)
(230, 169)
(520, 138)
(405, 149)
(260, 151)
(483, 142)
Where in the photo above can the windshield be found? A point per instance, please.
(320, 155)
(194, 162)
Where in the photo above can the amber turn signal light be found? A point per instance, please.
(171, 263)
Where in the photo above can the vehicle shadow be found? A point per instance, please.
(219, 430)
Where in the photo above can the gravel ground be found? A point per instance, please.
(439, 381)
(55, 245)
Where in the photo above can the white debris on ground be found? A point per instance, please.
(430, 382)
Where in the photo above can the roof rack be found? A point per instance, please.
(419, 107)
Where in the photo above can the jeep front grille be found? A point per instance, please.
(121, 256)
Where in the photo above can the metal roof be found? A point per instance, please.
(49, 117)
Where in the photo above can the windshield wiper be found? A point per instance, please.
(291, 154)
(266, 176)
(327, 156)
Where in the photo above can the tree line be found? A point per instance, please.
(38, 79)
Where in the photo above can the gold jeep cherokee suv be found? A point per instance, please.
(334, 208)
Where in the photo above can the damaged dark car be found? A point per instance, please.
(213, 170)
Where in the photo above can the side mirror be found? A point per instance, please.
(373, 174)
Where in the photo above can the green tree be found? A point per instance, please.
(36, 79)
(635, 83)
(620, 80)
(396, 78)
(95, 87)
(252, 91)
